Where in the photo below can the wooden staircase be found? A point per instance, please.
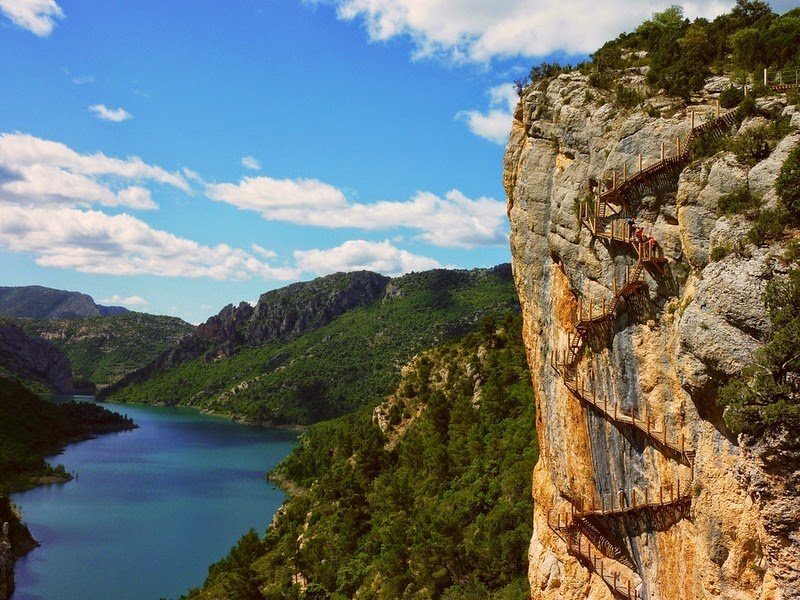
(605, 218)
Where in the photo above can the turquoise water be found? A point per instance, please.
(150, 508)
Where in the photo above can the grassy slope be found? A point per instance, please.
(445, 513)
(103, 349)
(349, 363)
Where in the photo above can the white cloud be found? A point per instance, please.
(268, 254)
(37, 16)
(480, 30)
(115, 115)
(34, 171)
(495, 124)
(94, 242)
(248, 162)
(452, 221)
(358, 255)
(83, 79)
(116, 299)
(23, 149)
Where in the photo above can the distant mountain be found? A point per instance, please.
(104, 349)
(37, 302)
(318, 349)
(33, 360)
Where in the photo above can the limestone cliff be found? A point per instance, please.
(640, 489)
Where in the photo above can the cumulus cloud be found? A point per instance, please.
(494, 124)
(83, 79)
(34, 171)
(451, 221)
(94, 242)
(358, 255)
(37, 16)
(125, 301)
(248, 162)
(480, 30)
(115, 115)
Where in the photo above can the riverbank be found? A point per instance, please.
(33, 430)
(175, 494)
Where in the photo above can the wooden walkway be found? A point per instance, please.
(645, 426)
(606, 218)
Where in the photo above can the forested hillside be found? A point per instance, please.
(104, 349)
(259, 366)
(427, 496)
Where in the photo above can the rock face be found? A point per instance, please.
(34, 358)
(279, 315)
(37, 302)
(6, 564)
(660, 360)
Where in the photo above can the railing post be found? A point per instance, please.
(614, 179)
(678, 145)
(683, 444)
(765, 76)
(633, 498)
(718, 108)
(692, 119)
(662, 151)
(661, 494)
(646, 497)
(679, 488)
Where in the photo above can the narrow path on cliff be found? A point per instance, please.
(610, 218)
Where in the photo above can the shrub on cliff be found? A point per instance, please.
(767, 396)
(788, 184)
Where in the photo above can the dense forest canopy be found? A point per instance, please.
(680, 53)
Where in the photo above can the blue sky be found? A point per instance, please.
(179, 156)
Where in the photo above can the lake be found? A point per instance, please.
(151, 508)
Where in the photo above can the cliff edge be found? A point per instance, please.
(641, 491)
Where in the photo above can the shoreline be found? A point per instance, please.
(25, 542)
(297, 428)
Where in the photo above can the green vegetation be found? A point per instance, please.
(351, 362)
(758, 142)
(788, 184)
(769, 225)
(32, 428)
(767, 396)
(103, 349)
(738, 201)
(681, 53)
(438, 505)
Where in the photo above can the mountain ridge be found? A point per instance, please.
(39, 302)
(318, 349)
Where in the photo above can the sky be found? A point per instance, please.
(174, 157)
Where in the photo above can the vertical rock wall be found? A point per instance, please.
(701, 323)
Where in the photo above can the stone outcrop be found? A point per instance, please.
(659, 360)
(6, 564)
(34, 359)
